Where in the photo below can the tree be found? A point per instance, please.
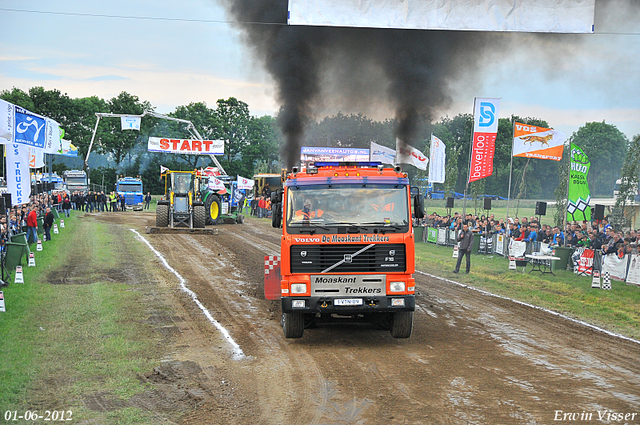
(233, 127)
(629, 181)
(606, 146)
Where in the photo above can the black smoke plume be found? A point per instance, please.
(410, 72)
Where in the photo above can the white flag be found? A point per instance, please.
(244, 183)
(382, 154)
(215, 184)
(410, 155)
(6, 121)
(36, 157)
(18, 180)
(438, 160)
(130, 123)
(163, 169)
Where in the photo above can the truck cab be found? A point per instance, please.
(347, 247)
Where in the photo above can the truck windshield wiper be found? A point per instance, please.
(384, 226)
(309, 227)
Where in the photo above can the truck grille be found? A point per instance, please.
(380, 258)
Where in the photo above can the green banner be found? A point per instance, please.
(432, 236)
(578, 203)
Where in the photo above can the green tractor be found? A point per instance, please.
(222, 200)
(180, 207)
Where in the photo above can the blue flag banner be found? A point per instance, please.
(18, 180)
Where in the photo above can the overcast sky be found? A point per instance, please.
(173, 53)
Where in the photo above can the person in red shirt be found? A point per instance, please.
(32, 226)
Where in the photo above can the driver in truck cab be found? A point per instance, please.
(308, 212)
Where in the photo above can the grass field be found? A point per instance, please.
(76, 327)
(617, 310)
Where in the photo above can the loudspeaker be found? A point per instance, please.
(7, 200)
(487, 203)
(599, 212)
(449, 202)
(541, 208)
(3, 209)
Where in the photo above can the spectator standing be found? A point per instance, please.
(465, 239)
(147, 201)
(66, 206)
(114, 201)
(47, 224)
(32, 225)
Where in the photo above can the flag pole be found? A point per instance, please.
(513, 134)
(566, 209)
(466, 188)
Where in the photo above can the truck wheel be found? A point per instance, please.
(199, 216)
(162, 215)
(212, 207)
(402, 324)
(293, 325)
(240, 219)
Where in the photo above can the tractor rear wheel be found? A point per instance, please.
(199, 216)
(162, 215)
(402, 324)
(293, 325)
(212, 209)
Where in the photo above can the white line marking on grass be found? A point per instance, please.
(555, 313)
(238, 354)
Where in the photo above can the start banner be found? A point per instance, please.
(485, 130)
(185, 146)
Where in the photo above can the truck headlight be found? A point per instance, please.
(396, 287)
(298, 288)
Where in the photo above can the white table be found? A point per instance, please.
(541, 263)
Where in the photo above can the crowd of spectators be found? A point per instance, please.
(24, 219)
(597, 235)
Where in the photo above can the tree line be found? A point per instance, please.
(253, 144)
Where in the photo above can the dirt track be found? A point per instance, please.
(472, 359)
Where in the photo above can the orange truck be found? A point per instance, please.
(347, 247)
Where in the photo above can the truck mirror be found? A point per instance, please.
(276, 196)
(418, 206)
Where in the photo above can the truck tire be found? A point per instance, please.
(402, 324)
(276, 215)
(293, 325)
(212, 209)
(240, 219)
(162, 215)
(199, 216)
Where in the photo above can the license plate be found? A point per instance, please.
(348, 301)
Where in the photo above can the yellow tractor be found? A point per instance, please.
(180, 207)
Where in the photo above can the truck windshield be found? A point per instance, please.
(339, 205)
(76, 180)
(129, 187)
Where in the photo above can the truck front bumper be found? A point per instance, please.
(369, 304)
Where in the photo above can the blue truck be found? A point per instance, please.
(131, 189)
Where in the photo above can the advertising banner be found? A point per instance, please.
(215, 184)
(69, 149)
(616, 266)
(36, 158)
(562, 16)
(130, 123)
(499, 249)
(406, 154)
(438, 158)
(442, 237)
(579, 195)
(530, 141)
(187, 147)
(633, 275)
(317, 153)
(18, 180)
(485, 130)
(382, 154)
(432, 234)
(585, 263)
